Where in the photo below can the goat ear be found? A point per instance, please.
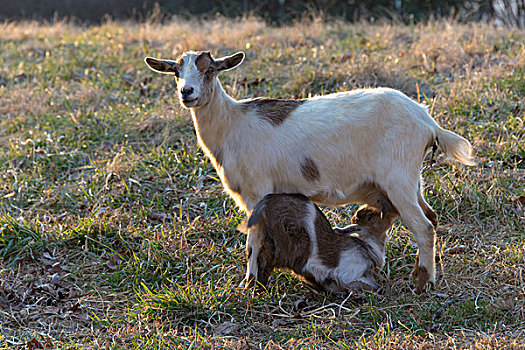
(254, 219)
(229, 62)
(162, 66)
(358, 216)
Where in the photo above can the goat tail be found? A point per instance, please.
(455, 146)
(254, 218)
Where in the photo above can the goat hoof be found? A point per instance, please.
(421, 278)
(427, 287)
(424, 283)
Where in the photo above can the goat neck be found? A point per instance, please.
(215, 119)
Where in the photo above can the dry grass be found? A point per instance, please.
(115, 232)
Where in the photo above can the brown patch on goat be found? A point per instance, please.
(275, 111)
(265, 261)
(374, 196)
(422, 279)
(206, 65)
(204, 61)
(310, 170)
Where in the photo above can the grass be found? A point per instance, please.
(115, 231)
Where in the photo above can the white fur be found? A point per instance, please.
(314, 264)
(353, 265)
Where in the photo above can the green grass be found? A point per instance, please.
(115, 231)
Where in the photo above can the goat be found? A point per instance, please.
(296, 235)
(341, 148)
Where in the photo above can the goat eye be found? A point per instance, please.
(210, 71)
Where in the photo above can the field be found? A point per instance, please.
(115, 231)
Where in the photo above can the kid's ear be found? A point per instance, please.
(229, 62)
(162, 66)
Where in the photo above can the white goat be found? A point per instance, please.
(296, 235)
(336, 149)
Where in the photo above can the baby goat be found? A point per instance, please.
(297, 235)
(336, 149)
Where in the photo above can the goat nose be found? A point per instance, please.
(187, 91)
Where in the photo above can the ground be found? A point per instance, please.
(115, 231)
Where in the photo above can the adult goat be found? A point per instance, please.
(335, 149)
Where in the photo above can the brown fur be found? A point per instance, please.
(422, 279)
(275, 111)
(310, 170)
(379, 219)
(204, 62)
(284, 241)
